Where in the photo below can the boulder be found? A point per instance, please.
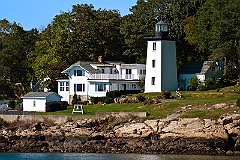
(134, 130)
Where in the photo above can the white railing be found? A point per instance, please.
(117, 76)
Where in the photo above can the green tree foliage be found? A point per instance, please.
(193, 83)
(145, 14)
(204, 29)
(79, 35)
(15, 45)
(218, 32)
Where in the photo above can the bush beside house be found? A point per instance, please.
(56, 106)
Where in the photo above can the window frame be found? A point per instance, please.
(154, 46)
(79, 72)
(79, 87)
(62, 88)
(100, 87)
(153, 63)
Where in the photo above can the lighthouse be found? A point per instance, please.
(161, 68)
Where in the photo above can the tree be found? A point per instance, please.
(141, 83)
(79, 35)
(134, 26)
(15, 45)
(145, 14)
(218, 32)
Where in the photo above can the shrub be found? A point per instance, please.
(238, 102)
(56, 106)
(193, 83)
(93, 100)
(208, 82)
(107, 100)
(202, 87)
(76, 99)
(114, 94)
(191, 88)
(167, 94)
(12, 103)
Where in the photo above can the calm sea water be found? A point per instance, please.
(96, 156)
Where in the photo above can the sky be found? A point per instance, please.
(39, 13)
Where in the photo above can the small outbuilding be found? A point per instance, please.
(36, 101)
(202, 70)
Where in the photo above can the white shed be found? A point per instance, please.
(36, 101)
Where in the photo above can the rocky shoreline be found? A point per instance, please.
(171, 135)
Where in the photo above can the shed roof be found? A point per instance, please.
(39, 94)
(193, 67)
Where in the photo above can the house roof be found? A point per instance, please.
(86, 65)
(194, 67)
(39, 94)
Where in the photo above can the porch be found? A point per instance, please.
(117, 76)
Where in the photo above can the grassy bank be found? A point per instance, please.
(203, 104)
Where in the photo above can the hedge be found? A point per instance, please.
(114, 94)
(56, 106)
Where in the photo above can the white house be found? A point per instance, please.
(95, 79)
(202, 70)
(161, 61)
(36, 101)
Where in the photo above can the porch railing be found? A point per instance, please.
(117, 76)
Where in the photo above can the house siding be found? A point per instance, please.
(28, 104)
(38, 104)
(208, 70)
(115, 77)
(64, 93)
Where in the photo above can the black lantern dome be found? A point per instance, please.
(161, 29)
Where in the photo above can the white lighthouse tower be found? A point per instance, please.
(161, 69)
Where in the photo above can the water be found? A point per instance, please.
(96, 156)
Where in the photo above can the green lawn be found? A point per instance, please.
(194, 104)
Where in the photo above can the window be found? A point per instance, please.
(67, 86)
(143, 71)
(128, 71)
(154, 46)
(61, 86)
(134, 86)
(79, 73)
(64, 86)
(100, 87)
(34, 103)
(153, 63)
(153, 80)
(79, 87)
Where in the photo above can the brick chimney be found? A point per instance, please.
(100, 59)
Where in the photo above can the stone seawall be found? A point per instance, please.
(129, 134)
(66, 118)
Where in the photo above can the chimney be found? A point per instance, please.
(100, 59)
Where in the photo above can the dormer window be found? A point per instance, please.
(79, 73)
